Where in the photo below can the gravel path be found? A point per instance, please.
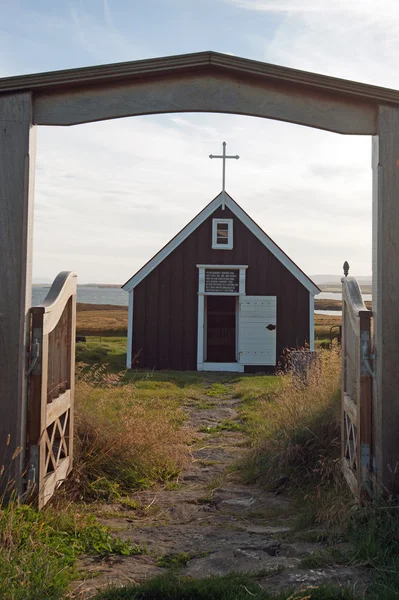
(212, 523)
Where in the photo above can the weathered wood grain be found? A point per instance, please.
(203, 92)
(51, 397)
(17, 155)
(356, 389)
(385, 296)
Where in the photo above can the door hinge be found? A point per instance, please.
(34, 357)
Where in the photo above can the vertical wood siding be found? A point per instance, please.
(166, 301)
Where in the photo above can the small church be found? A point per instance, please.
(220, 296)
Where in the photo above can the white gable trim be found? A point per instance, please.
(173, 244)
(272, 246)
(198, 220)
(130, 332)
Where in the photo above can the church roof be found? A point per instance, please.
(198, 220)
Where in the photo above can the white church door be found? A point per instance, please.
(257, 321)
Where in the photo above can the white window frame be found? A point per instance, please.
(229, 223)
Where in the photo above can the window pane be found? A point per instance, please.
(222, 233)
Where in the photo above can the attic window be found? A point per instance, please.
(222, 234)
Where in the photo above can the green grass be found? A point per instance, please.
(175, 560)
(374, 532)
(223, 426)
(39, 550)
(229, 587)
(129, 435)
(217, 389)
(110, 351)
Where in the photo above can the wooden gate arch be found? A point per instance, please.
(200, 82)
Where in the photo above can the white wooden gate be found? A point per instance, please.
(257, 321)
(356, 388)
(51, 389)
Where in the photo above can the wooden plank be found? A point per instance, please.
(350, 408)
(57, 407)
(385, 295)
(53, 480)
(107, 75)
(204, 92)
(17, 159)
(62, 289)
(351, 479)
(71, 381)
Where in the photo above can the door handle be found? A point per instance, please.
(271, 327)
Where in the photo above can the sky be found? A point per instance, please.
(109, 195)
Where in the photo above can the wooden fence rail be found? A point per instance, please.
(51, 389)
(356, 388)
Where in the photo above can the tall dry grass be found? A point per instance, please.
(127, 436)
(297, 434)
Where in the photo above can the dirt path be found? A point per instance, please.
(212, 523)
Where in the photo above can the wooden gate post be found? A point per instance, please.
(17, 145)
(385, 406)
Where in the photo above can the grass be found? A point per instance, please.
(295, 427)
(323, 324)
(295, 437)
(173, 561)
(229, 587)
(223, 426)
(109, 351)
(38, 550)
(217, 389)
(129, 435)
(101, 319)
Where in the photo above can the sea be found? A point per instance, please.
(88, 294)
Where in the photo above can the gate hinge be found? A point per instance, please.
(34, 357)
(30, 479)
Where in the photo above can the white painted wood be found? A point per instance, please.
(311, 322)
(257, 345)
(17, 164)
(202, 316)
(229, 245)
(201, 319)
(385, 403)
(173, 244)
(200, 333)
(352, 294)
(54, 480)
(241, 281)
(214, 267)
(57, 407)
(63, 287)
(129, 331)
(232, 91)
(234, 367)
(248, 222)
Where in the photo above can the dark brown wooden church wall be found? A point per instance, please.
(166, 301)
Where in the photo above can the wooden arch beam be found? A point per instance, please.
(203, 82)
(207, 91)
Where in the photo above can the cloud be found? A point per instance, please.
(111, 194)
